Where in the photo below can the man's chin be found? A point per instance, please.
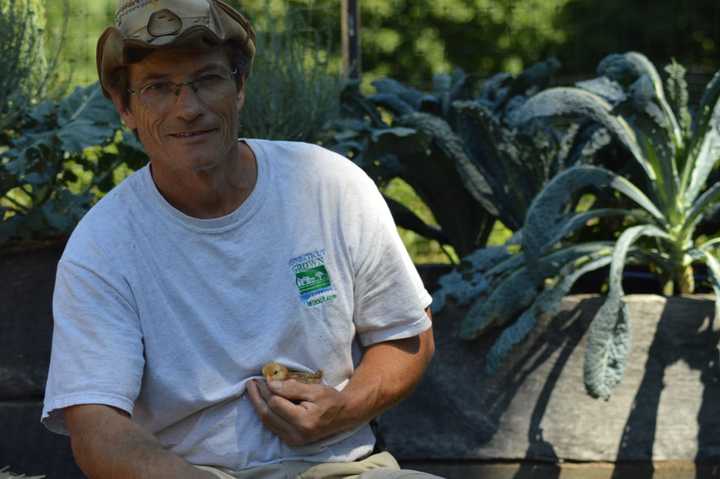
(194, 159)
(204, 166)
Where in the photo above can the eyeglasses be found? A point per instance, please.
(210, 89)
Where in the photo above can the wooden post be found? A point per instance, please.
(351, 38)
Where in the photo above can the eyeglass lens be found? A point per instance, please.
(209, 89)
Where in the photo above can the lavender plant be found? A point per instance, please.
(292, 91)
(26, 70)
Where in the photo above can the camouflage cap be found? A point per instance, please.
(164, 23)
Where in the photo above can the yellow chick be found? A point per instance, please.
(273, 371)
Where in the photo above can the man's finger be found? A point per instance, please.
(263, 390)
(283, 408)
(268, 416)
(256, 399)
(287, 410)
(295, 390)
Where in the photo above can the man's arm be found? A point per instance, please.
(303, 413)
(107, 444)
(387, 374)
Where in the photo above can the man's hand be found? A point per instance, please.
(303, 413)
(298, 413)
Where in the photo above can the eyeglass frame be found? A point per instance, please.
(177, 86)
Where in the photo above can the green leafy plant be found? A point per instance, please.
(25, 72)
(651, 221)
(400, 133)
(470, 158)
(64, 156)
(6, 474)
(292, 93)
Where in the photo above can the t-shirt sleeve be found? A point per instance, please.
(97, 351)
(390, 298)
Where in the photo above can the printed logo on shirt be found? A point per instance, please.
(312, 279)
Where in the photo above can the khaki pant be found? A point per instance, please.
(377, 466)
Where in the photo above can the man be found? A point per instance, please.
(218, 257)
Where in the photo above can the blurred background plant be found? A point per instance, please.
(65, 156)
(294, 90)
(27, 71)
(414, 41)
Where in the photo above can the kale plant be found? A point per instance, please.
(654, 218)
(64, 155)
(470, 158)
(392, 134)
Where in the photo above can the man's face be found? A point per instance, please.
(190, 133)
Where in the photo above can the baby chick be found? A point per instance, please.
(273, 371)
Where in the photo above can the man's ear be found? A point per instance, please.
(126, 114)
(240, 98)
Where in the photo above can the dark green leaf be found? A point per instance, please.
(451, 146)
(575, 104)
(703, 254)
(547, 303)
(393, 103)
(518, 290)
(605, 88)
(511, 297)
(703, 205)
(406, 218)
(677, 89)
(609, 334)
(408, 95)
(467, 281)
(547, 214)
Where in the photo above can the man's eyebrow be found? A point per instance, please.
(152, 76)
(210, 67)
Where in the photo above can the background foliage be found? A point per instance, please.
(24, 73)
(292, 79)
(411, 40)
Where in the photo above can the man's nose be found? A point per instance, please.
(188, 105)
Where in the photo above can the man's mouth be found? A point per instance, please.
(190, 134)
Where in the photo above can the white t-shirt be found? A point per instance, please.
(167, 316)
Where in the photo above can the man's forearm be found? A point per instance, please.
(303, 413)
(387, 373)
(108, 445)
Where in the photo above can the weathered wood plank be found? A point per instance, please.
(666, 408)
